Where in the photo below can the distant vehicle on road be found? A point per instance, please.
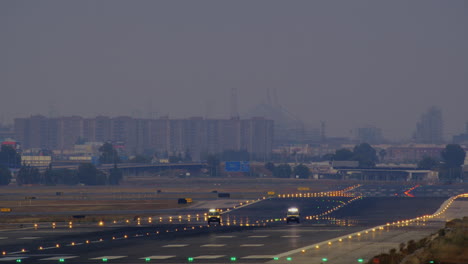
(293, 215)
(214, 216)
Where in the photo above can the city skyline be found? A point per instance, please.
(351, 64)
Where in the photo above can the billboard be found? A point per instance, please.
(237, 166)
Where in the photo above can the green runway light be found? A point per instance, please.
(288, 258)
(233, 258)
(61, 260)
(431, 261)
(275, 258)
(18, 260)
(360, 260)
(324, 259)
(147, 259)
(190, 259)
(104, 260)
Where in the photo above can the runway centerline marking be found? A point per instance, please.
(158, 257)
(252, 245)
(11, 258)
(257, 236)
(290, 236)
(110, 257)
(59, 257)
(209, 256)
(225, 236)
(175, 245)
(29, 238)
(213, 245)
(259, 257)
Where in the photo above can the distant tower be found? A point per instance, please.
(323, 135)
(429, 130)
(234, 109)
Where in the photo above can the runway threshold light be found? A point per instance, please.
(324, 259)
(61, 260)
(147, 259)
(233, 258)
(275, 258)
(360, 260)
(288, 258)
(190, 259)
(104, 260)
(18, 260)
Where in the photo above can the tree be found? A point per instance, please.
(88, 174)
(270, 166)
(108, 154)
(302, 171)
(67, 176)
(115, 176)
(174, 159)
(235, 155)
(187, 156)
(50, 177)
(282, 171)
(5, 175)
(366, 155)
(9, 157)
(213, 167)
(382, 154)
(427, 163)
(140, 159)
(453, 155)
(343, 154)
(28, 175)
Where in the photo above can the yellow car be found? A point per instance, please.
(293, 215)
(214, 215)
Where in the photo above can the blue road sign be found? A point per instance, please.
(237, 166)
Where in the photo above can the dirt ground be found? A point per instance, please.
(140, 194)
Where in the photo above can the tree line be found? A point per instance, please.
(87, 173)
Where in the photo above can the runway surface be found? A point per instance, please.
(255, 234)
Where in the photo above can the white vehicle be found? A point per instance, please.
(293, 215)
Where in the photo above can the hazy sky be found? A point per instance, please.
(350, 63)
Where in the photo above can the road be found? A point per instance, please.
(178, 242)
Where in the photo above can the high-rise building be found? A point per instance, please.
(369, 134)
(429, 130)
(195, 136)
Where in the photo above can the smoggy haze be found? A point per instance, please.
(350, 63)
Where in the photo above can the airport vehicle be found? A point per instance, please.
(214, 216)
(293, 215)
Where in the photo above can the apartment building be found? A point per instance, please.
(170, 136)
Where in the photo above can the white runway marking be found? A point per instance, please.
(176, 245)
(225, 236)
(213, 245)
(252, 245)
(158, 257)
(258, 236)
(290, 236)
(209, 256)
(110, 257)
(3, 237)
(59, 257)
(11, 258)
(259, 257)
(29, 238)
